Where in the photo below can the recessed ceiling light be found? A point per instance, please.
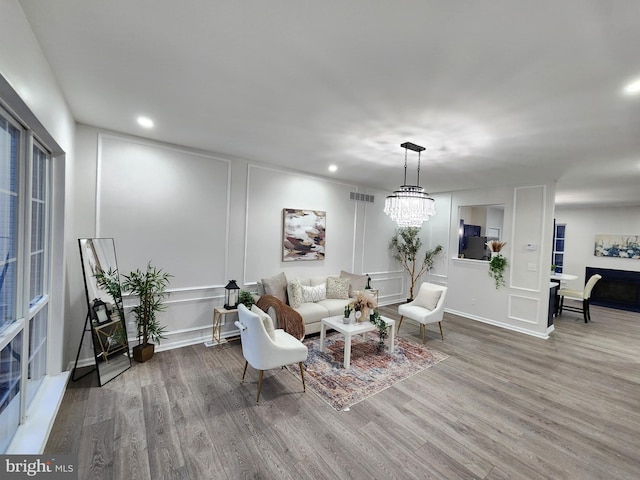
(632, 88)
(145, 122)
(333, 168)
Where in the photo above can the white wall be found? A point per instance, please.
(583, 224)
(522, 304)
(207, 219)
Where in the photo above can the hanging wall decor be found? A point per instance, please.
(619, 246)
(303, 234)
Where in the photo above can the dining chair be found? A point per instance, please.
(427, 307)
(265, 347)
(584, 295)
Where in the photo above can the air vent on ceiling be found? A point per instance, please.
(361, 197)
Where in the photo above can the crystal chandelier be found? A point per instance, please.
(410, 205)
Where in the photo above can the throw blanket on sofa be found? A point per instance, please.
(288, 319)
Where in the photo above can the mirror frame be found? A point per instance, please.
(485, 226)
(109, 337)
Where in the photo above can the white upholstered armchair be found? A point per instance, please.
(265, 348)
(427, 307)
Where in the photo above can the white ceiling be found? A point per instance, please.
(500, 92)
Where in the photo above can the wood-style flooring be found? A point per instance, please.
(502, 406)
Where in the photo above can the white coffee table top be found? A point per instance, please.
(350, 330)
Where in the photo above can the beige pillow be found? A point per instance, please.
(294, 292)
(266, 321)
(358, 282)
(428, 298)
(313, 294)
(276, 286)
(338, 287)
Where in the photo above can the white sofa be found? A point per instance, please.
(314, 311)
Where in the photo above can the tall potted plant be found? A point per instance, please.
(405, 246)
(150, 286)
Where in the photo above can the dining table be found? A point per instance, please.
(563, 277)
(554, 299)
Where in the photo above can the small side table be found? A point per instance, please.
(373, 292)
(111, 338)
(218, 314)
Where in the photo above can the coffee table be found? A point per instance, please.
(349, 330)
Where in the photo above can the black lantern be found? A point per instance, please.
(100, 311)
(232, 291)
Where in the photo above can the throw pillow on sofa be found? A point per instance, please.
(294, 292)
(358, 282)
(313, 294)
(338, 287)
(276, 286)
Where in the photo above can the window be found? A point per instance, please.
(558, 246)
(10, 387)
(9, 156)
(24, 271)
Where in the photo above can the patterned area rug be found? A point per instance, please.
(370, 372)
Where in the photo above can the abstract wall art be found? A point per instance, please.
(619, 246)
(303, 234)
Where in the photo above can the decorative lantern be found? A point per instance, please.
(100, 311)
(232, 291)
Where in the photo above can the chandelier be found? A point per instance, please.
(410, 205)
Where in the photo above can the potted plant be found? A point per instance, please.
(150, 286)
(347, 314)
(246, 298)
(381, 325)
(497, 266)
(406, 245)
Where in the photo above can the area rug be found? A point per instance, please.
(370, 373)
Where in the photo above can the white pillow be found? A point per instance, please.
(338, 287)
(428, 298)
(295, 293)
(313, 294)
(266, 321)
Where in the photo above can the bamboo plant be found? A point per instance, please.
(150, 286)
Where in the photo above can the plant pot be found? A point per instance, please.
(346, 320)
(142, 353)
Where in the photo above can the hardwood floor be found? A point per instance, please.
(503, 405)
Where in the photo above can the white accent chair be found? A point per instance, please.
(264, 352)
(583, 295)
(427, 307)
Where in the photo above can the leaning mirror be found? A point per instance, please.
(105, 312)
(478, 225)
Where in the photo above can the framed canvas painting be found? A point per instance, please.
(303, 234)
(620, 246)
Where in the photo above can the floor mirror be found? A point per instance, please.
(105, 320)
